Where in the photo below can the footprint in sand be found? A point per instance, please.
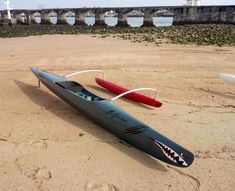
(100, 187)
(42, 174)
(39, 144)
(5, 134)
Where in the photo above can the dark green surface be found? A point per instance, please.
(114, 119)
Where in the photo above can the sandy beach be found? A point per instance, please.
(47, 145)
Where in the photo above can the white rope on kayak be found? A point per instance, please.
(134, 90)
(85, 71)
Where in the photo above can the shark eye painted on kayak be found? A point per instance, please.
(171, 154)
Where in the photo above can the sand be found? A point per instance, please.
(47, 145)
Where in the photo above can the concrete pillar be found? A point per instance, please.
(30, 19)
(23, 19)
(79, 19)
(5, 21)
(13, 20)
(19, 19)
(45, 19)
(148, 20)
(122, 19)
(99, 19)
(1, 19)
(62, 19)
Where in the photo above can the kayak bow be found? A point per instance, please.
(228, 77)
(115, 120)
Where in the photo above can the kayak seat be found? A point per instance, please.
(79, 90)
(71, 85)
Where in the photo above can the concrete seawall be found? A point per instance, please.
(180, 14)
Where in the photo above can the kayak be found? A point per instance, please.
(106, 114)
(228, 77)
(134, 96)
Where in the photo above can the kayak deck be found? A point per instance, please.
(79, 90)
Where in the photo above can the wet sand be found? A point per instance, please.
(47, 145)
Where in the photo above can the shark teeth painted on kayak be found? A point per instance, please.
(170, 153)
(112, 118)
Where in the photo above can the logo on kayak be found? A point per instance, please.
(171, 154)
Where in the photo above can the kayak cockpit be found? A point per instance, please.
(78, 89)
